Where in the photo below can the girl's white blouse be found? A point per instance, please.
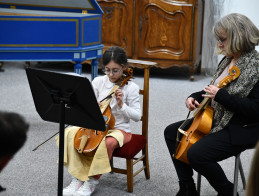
(131, 105)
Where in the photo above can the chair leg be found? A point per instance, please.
(146, 163)
(238, 166)
(237, 163)
(199, 184)
(130, 175)
(111, 163)
(242, 174)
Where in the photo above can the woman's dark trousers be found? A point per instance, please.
(203, 157)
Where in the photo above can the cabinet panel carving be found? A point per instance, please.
(117, 23)
(168, 32)
(181, 1)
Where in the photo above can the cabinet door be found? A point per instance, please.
(117, 24)
(164, 29)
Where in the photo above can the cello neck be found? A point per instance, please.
(234, 73)
(202, 106)
(106, 101)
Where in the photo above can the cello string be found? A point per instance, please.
(108, 97)
(186, 120)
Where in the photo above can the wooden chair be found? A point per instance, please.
(238, 167)
(139, 142)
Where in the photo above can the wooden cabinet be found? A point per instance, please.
(168, 32)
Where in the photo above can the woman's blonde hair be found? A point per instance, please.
(242, 34)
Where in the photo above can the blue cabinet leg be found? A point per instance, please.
(78, 68)
(94, 68)
(1, 65)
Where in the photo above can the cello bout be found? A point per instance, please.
(200, 127)
(86, 141)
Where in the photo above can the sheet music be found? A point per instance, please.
(83, 4)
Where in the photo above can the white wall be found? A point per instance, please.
(247, 7)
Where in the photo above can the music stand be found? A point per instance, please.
(64, 99)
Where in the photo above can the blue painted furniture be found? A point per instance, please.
(51, 30)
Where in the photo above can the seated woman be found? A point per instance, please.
(125, 106)
(235, 123)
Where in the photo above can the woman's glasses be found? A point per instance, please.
(221, 40)
(112, 71)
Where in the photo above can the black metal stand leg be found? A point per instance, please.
(61, 149)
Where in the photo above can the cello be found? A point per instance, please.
(86, 141)
(202, 122)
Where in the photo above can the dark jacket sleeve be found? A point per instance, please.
(245, 107)
(244, 125)
(198, 96)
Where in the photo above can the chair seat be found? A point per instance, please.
(129, 150)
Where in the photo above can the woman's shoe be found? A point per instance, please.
(187, 189)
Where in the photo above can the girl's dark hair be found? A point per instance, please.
(117, 54)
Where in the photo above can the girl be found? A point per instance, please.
(125, 106)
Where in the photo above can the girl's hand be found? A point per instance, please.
(119, 97)
(191, 103)
(211, 91)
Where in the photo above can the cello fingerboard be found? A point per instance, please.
(107, 100)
